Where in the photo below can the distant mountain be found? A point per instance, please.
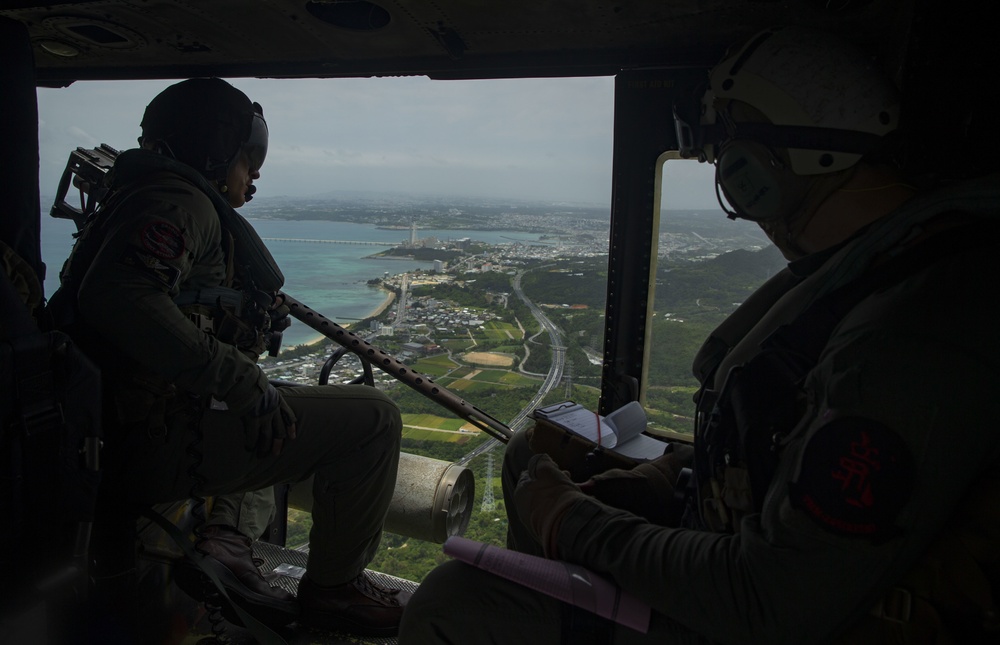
(708, 222)
(715, 286)
(767, 260)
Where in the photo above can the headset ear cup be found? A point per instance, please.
(747, 178)
(758, 184)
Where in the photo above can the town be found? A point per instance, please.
(515, 325)
(422, 324)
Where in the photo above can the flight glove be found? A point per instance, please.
(269, 423)
(280, 320)
(646, 490)
(543, 496)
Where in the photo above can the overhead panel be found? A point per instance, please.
(440, 38)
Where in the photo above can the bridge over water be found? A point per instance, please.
(307, 241)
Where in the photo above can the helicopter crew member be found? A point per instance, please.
(174, 295)
(845, 474)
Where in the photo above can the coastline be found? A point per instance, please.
(376, 256)
(390, 297)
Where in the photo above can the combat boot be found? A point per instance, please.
(229, 555)
(361, 606)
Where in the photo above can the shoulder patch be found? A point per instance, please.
(855, 477)
(151, 266)
(162, 239)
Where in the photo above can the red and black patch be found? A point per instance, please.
(855, 478)
(162, 239)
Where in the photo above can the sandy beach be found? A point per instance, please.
(390, 297)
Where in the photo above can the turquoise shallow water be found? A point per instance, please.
(330, 278)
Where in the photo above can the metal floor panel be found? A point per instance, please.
(284, 567)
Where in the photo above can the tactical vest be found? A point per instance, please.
(236, 312)
(948, 597)
(741, 427)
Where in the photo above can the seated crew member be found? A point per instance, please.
(864, 475)
(173, 293)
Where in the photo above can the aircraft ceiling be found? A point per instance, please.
(441, 38)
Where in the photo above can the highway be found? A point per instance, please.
(401, 305)
(552, 379)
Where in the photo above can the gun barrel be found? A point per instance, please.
(390, 365)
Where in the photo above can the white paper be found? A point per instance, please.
(621, 431)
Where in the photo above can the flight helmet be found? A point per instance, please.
(204, 123)
(789, 107)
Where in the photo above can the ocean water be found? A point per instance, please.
(330, 278)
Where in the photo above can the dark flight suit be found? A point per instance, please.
(896, 434)
(179, 392)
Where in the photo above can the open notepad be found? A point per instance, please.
(620, 431)
(570, 583)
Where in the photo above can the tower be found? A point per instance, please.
(489, 504)
(568, 379)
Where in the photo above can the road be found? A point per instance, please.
(401, 308)
(552, 379)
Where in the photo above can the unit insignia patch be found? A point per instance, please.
(855, 477)
(163, 239)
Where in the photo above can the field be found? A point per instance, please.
(481, 380)
(430, 427)
(435, 365)
(491, 359)
(458, 344)
(497, 330)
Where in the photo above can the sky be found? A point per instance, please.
(532, 139)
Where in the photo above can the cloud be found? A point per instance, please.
(527, 138)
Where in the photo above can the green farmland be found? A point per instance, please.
(430, 427)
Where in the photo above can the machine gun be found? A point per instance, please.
(369, 354)
(86, 170)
